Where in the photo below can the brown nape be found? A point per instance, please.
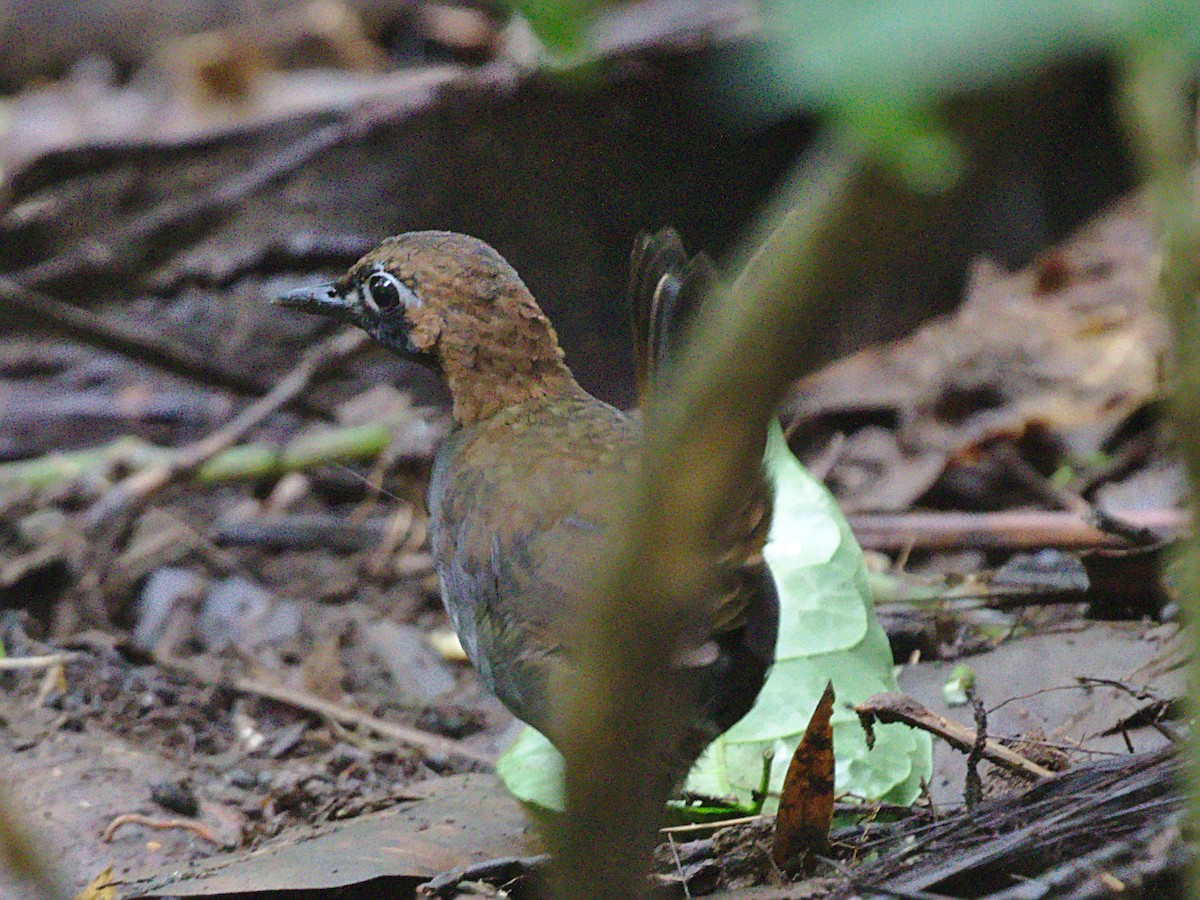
(495, 346)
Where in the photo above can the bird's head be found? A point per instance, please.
(453, 303)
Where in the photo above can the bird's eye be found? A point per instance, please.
(385, 290)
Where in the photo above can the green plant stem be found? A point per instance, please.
(334, 445)
(1158, 106)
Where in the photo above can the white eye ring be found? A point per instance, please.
(386, 292)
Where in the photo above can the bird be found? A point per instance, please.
(520, 498)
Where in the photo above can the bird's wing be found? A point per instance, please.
(520, 516)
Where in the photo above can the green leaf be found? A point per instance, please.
(827, 631)
(954, 689)
(913, 52)
(559, 24)
(532, 770)
(880, 66)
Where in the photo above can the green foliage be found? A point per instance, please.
(559, 24)
(877, 71)
(954, 689)
(878, 68)
(827, 631)
(533, 771)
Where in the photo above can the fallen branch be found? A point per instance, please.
(141, 486)
(124, 248)
(11, 663)
(108, 519)
(199, 829)
(413, 737)
(303, 532)
(353, 443)
(1003, 530)
(87, 327)
(888, 708)
(338, 712)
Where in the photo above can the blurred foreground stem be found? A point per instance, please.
(841, 213)
(23, 853)
(628, 705)
(1159, 106)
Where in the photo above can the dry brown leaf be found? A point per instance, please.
(322, 670)
(806, 801)
(1072, 346)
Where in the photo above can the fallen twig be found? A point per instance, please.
(140, 486)
(973, 791)
(337, 712)
(124, 248)
(11, 663)
(1061, 498)
(86, 326)
(107, 520)
(414, 737)
(305, 251)
(199, 829)
(348, 444)
(888, 708)
(304, 532)
(1003, 530)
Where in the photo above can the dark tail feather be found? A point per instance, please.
(665, 290)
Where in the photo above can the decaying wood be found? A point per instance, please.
(1040, 843)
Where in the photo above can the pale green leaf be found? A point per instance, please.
(532, 770)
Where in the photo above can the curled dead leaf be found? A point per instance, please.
(806, 801)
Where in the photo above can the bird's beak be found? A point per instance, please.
(321, 299)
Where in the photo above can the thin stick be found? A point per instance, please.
(336, 712)
(414, 737)
(123, 249)
(1003, 530)
(140, 486)
(87, 327)
(12, 663)
(888, 708)
(197, 828)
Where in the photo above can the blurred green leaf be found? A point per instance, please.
(913, 52)
(879, 68)
(954, 689)
(559, 24)
(532, 770)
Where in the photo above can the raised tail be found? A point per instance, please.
(665, 291)
(666, 288)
